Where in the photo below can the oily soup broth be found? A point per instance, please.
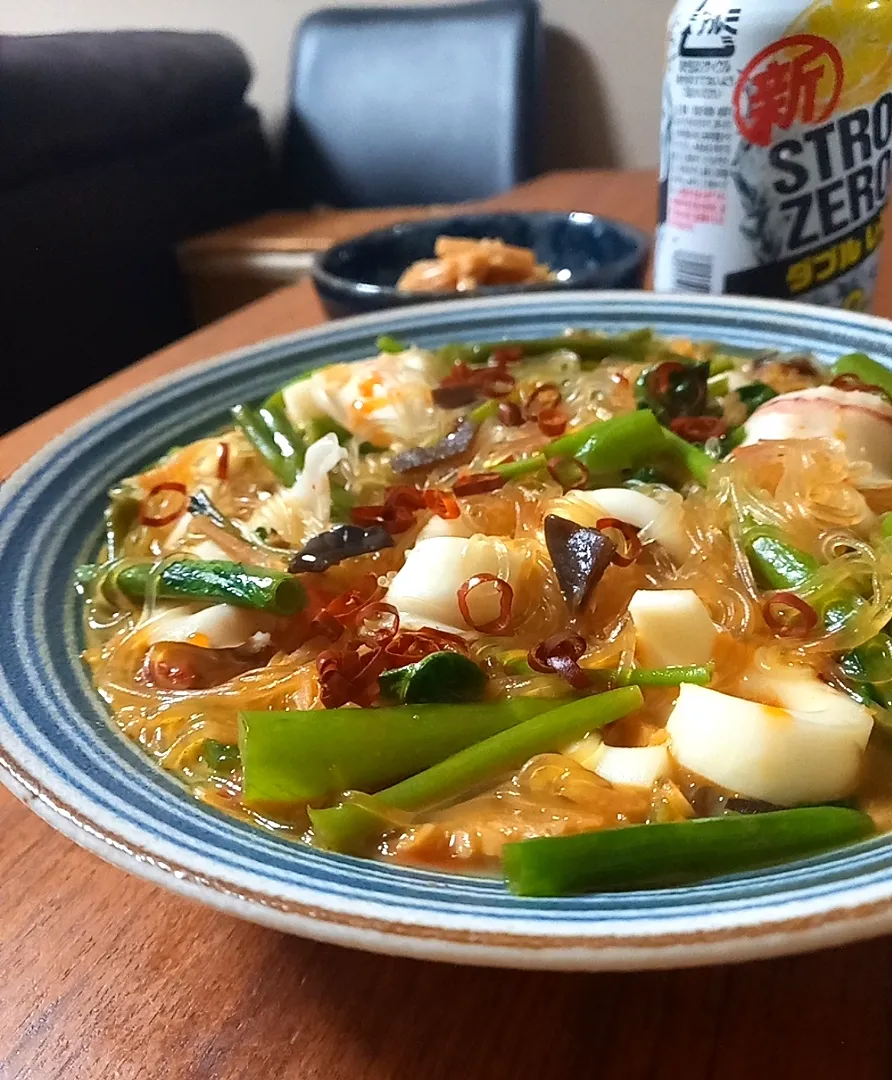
(762, 458)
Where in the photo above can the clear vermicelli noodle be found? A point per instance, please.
(430, 606)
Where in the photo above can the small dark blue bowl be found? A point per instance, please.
(584, 251)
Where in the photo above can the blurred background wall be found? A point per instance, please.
(604, 64)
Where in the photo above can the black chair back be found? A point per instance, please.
(404, 106)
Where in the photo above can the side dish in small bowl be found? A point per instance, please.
(479, 255)
(592, 612)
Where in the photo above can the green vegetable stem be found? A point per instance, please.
(217, 581)
(355, 824)
(660, 854)
(590, 348)
(294, 758)
(608, 446)
(272, 435)
(779, 565)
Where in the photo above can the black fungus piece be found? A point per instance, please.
(580, 556)
(344, 542)
(455, 444)
(454, 397)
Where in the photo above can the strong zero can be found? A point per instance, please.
(775, 149)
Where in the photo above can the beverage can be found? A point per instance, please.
(775, 149)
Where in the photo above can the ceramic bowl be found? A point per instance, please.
(584, 252)
(60, 754)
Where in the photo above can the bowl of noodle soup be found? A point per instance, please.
(177, 780)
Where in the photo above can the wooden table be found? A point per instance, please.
(105, 977)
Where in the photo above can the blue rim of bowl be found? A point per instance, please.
(821, 901)
(617, 267)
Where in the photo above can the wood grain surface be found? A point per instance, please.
(105, 977)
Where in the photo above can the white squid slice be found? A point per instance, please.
(862, 422)
(219, 626)
(658, 521)
(672, 627)
(425, 590)
(808, 751)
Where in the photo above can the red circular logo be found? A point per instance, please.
(798, 78)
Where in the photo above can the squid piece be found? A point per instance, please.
(861, 421)
(425, 590)
(672, 627)
(382, 400)
(807, 749)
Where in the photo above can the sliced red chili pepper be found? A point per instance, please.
(378, 623)
(366, 590)
(223, 461)
(158, 521)
(510, 415)
(442, 503)
(460, 375)
(558, 655)
(659, 381)
(546, 396)
(552, 422)
(568, 472)
(697, 429)
(410, 646)
(405, 495)
(629, 547)
(506, 603)
(512, 355)
(478, 484)
(395, 519)
(496, 383)
(327, 626)
(350, 674)
(788, 615)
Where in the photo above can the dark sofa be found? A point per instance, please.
(113, 148)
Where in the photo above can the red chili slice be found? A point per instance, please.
(223, 461)
(350, 675)
(327, 626)
(510, 415)
(511, 355)
(552, 422)
(406, 496)
(378, 624)
(506, 603)
(158, 521)
(558, 655)
(568, 472)
(478, 484)
(629, 547)
(659, 381)
(546, 396)
(442, 503)
(777, 609)
(410, 646)
(697, 429)
(345, 607)
(461, 375)
(496, 382)
(395, 519)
